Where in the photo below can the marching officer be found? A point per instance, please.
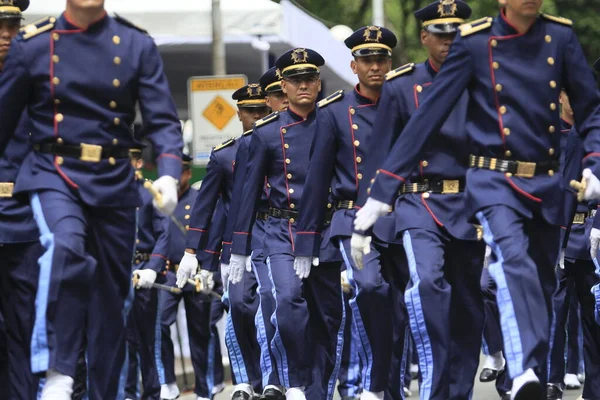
(150, 259)
(201, 310)
(81, 76)
(344, 122)
(19, 244)
(277, 101)
(514, 189)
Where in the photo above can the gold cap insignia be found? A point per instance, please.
(373, 34)
(447, 8)
(299, 56)
(254, 90)
(278, 74)
(7, 2)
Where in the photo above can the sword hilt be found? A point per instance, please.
(135, 279)
(580, 187)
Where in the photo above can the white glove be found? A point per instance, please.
(368, 215)
(594, 242)
(488, 255)
(561, 260)
(302, 266)
(592, 188)
(146, 278)
(360, 246)
(224, 274)
(187, 268)
(167, 187)
(206, 280)
(236, 267)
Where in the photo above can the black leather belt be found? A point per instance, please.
(262, 215)
(580, 217)
(285, 214)
(142, 257)
(521, 169)
(447, 186)
(84, 152)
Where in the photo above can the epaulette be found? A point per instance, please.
(559, 20)
(475, 26)
(248, 132)
(269, 118)
(224, 144)
(35, 28)
(405, 69)
(128, 23)
(331, 98)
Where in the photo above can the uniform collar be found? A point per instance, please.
(297, 117)
(185, 193)
(508, 29)
(431, 68)
(361, 98)
(70, 25)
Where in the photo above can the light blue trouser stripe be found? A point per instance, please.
(160, 367)
(40, 354)
(367, 352)
(412, 297)
(404, 360)
(210, 368)
(513, 347)
(354, 363)
(235, 353)
(339, 349)
(277, 342)
(266, 366)
(551, 343)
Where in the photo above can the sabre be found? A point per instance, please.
(580, 187)
(136, 278)
(197, 283)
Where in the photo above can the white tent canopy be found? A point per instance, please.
(183, 32)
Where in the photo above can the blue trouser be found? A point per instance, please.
(142, 326)
(374, 313)
(524, 256)
(18, 282)
(581, 272)
(241, 333)
(308, 320)
(349, 375)
(202, 314)
(445, 306)
(84, 282)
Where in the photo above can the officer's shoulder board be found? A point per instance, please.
(248, 132)
(226, 143)
(331, 98)
(475, 26)
(130, 24)
(35, 28)
(559, 20)
(269, 118)
(403, 70)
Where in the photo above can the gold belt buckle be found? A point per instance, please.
(579, 218)
(6, 189)
(90, 152)
(450, 187)
(525, 169)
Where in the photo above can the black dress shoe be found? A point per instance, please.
(529, 391)
(488, 375)
(241, 395)
(272, 394)
(553, 392)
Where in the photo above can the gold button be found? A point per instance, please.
(550, 60)
(502, 110)
(354, 126)
(292, 206)
(289, 176)
(507, 153)
(287, 146)
(329, 190)
(60, 160)
(553, 106)
(187, 216)
(117, 121)
(112, 161)
(137, 241)
(356, 143)
(287, 161)
(60, 141)
(494, 43)
(359, 176)
(55, 80)
(329, 205)
(291, 191)
(115, 142)
(113, 104)
(551, 173)
(553, 84)
(373, 180)
(187, 207)
(358, 160)
(55, 36)
(268, 185)
(187, 227)
(551, 152)
(292, 220)
(548, 38)
(116, 83)
(424, 163)
(506, 131)
(116, 39)
(508, 174)
(284, 130)
(419, 88)
(55, 58)
(117, 60)
(495, 65)
(59, 117)
(352, 111)
(57, 101)
(426, 195)
(552, 129)
(137, 261)
(498, 88)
